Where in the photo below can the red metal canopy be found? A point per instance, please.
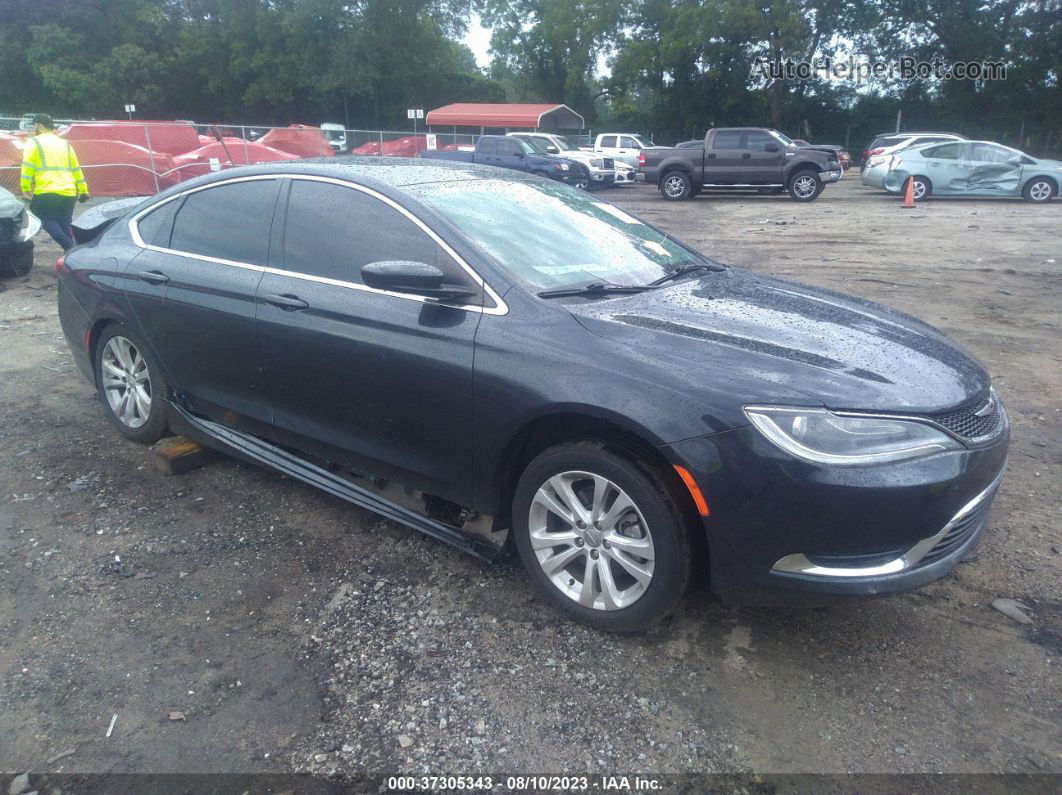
(474, 114)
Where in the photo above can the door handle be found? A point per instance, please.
(153, 277)
(710, 155)
(745, 155)
(289, 303)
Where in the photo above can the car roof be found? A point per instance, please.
(372, 171)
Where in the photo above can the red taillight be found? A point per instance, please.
(641, 160)
(60, 264)
(872, 152)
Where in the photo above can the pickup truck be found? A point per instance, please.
(500, 150)
(740, 157)
(625, 147)
(602, 170)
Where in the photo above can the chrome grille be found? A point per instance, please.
(976, 422)
(610, 163)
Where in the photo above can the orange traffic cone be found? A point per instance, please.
(908, 199)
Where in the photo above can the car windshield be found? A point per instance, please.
(563, 144)
(785, 139)
(643, 140)
(551, 236)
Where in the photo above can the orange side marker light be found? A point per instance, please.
(695, 490)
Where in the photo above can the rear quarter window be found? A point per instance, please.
(155, 227)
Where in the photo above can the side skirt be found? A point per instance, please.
(258, 451)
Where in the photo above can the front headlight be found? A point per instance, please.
(822, 437)
(563, 166)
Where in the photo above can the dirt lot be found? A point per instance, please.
(285, 630)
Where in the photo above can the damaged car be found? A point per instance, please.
(503, 361)
(972, 168)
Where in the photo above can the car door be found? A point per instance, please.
(511, 154)
(192, 292)
(609, 146)
(628, 150)
(991, 170)
(944, 167)
(377, 381)
(723, 161)
(763, 158)
(485, 152)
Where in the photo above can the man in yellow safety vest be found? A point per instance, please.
(52, 180)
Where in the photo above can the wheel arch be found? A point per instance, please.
(572, 424)
(1049, 177)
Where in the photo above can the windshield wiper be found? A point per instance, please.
(675, 274)
(594, 288)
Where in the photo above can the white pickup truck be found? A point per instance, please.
(622, 146)
(601, 170)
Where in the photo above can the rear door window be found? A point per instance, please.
(608, 142)
(486, 146)
(727, 139)
(331, 231)
(945, 152)
(230, 221)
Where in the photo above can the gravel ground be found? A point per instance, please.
(236, 621)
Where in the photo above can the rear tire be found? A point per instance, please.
(676, 186)
(130, 385)
(1039, 189)
(923, 188)
(635, 547)
(804, 186)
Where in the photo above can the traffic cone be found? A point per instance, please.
(908, 199)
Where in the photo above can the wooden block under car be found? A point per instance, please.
(176, 455)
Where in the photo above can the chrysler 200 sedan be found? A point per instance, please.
(490, 358)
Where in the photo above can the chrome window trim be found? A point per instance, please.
(499, 308)
(799, 563)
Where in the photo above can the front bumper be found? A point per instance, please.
(780, 529)
(625, 177)
(833, 175)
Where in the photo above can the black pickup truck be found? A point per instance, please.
(740, 157)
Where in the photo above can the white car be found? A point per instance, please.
(624, 174)
(877, 162)
(622, 146)
(600, 169)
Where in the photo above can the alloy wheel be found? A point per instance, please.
(591, 540)
(919, 189)
(804, 187)
(674, 186)
(126, 382)
(1040, 191)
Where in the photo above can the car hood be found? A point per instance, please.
(778, 340)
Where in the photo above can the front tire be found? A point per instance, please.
(130, 385)
(676, 186)
(18, 263)
(602, 537)
(804, 186)
(1039, 190)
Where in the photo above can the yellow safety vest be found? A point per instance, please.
(49, 165)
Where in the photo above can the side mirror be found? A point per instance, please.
(770, 148)
(415, 278)
(518, 154)
(552, 150)
(1014, 161)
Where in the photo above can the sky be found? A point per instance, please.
(478, 40)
